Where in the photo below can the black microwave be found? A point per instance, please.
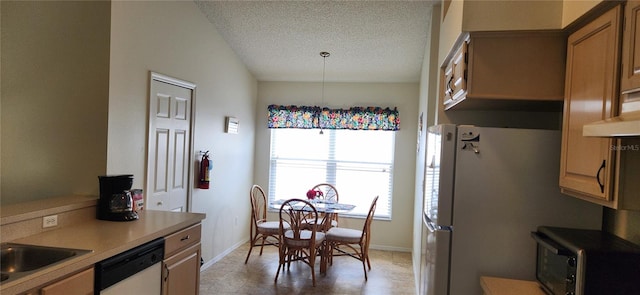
(586, 262)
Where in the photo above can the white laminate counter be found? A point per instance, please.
(104, 238)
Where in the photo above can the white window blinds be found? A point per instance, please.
(359, 163)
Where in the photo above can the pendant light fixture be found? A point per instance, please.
(324, 55)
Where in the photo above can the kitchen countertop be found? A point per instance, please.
(503, 286)
(104, 238)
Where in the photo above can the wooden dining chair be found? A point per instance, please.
(329, 194)
(261, 229)
(355, 242)
(297, 242)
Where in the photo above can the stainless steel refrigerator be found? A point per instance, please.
(485, 191)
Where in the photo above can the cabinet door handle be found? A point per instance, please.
(449, 88)
(185, 238)
(598, 175)
(166, 276)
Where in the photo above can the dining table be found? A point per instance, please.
(328, 209)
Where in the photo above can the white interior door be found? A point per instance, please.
(169, 147)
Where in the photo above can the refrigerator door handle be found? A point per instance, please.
(433, 227)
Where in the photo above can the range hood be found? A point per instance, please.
(625, 125)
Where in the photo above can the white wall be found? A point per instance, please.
(175, 39)
(55, 71)
(392, 235)
(450, 29)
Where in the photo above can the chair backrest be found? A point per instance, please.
(329, 191)
(366, 230)
(297, 214)
(258, 204)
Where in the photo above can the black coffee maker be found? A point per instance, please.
(116, 203)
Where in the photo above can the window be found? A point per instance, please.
(359, 163)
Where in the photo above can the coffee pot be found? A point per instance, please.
(116, 203)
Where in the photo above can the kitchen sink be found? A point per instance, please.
(18, 260)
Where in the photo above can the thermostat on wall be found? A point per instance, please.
(231, 125)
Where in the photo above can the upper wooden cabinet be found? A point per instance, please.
(461, 16)
(630, 78)
(506, 70)
(587, 163)
(600, 170)
(455, 77)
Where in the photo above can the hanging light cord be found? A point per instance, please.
(324, 55)
(324, 66)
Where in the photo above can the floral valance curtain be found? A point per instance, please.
(356, 118)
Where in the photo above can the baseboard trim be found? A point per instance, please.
(388, 248)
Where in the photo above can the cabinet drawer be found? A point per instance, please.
(182, 239)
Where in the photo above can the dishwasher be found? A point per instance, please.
(136, 271)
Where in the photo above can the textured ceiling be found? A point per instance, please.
(369, 41)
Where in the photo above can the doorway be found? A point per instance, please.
(169, 144)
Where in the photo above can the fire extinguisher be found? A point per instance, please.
(206, 166)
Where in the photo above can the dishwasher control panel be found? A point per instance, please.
(112, 270)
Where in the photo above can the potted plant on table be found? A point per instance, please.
(313, 194)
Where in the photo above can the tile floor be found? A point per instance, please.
(391, 273)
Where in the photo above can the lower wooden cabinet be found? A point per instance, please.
(78, 284)
(181, 265)
(181, 273)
